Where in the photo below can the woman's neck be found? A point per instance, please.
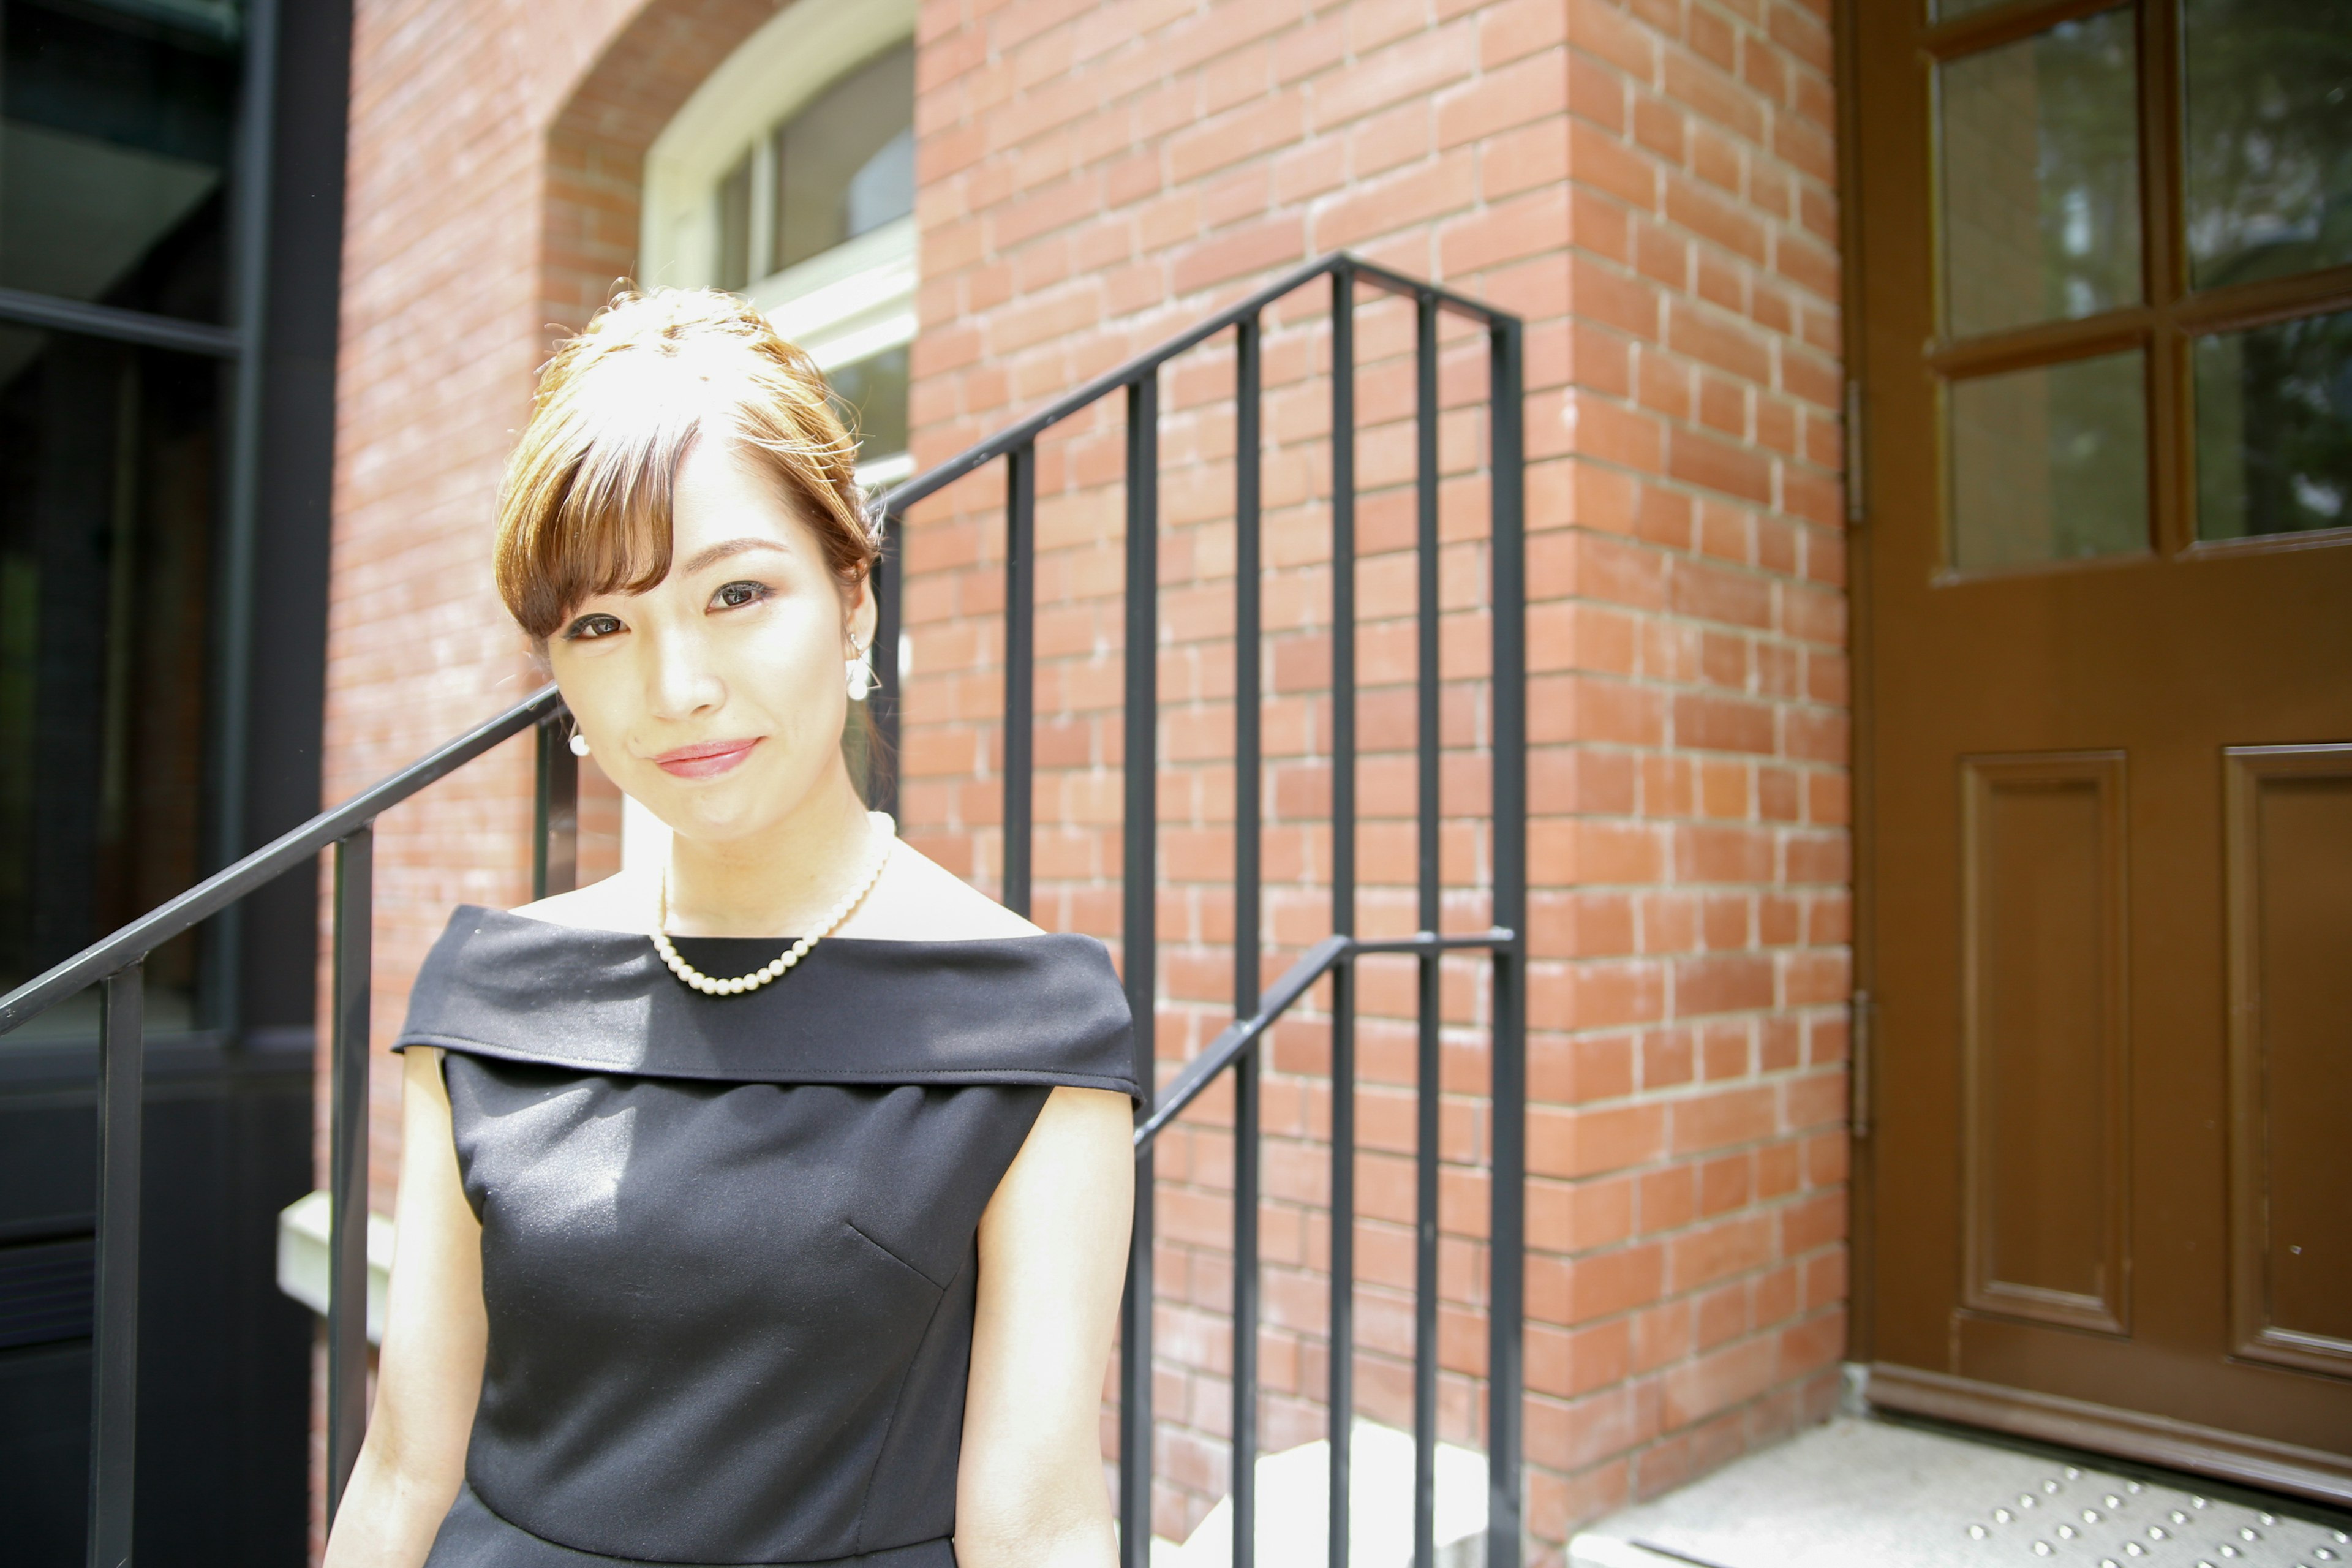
(780, 882)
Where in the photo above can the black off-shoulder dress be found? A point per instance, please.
(728, 1243)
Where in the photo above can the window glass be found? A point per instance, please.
(1952, 10)
(2049, 464)
(116, 124)
(735, 227)
(2039, 175)
(873, 396)
(107, 469)
(2274, 428)
(2269, 156)
(845, 165)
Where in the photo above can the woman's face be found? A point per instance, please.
(715, 696)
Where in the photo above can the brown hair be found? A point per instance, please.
(585, 505)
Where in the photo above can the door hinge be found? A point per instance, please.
(1855, 488)
(1866, 1013)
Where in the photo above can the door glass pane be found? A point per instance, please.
(116, 128)
(1951, 10)
(845, 163)
(108, 464)
(2269, 85)
(2274, 428)
(2049, 464)
(2040, 177)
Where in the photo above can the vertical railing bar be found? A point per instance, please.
(882, 702)
(555, 810)
(542, 803)
(1426, 806)
(1507, 1228)
(1343, 1401)
(1138, 934)
(347, 1160)
(114, 1387)
(1246, 785)
(1020, 670)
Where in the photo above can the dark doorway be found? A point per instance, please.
(166, 425)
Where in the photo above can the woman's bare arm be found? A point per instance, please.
(429, 1376)
(1053, 1256)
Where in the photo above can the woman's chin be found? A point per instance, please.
(721, 816)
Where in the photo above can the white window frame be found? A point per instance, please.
(856, 300)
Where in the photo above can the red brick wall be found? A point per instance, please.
(1650, 186)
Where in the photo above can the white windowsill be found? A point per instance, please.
(303, 1270)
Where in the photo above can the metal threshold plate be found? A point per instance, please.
(1868, 1494)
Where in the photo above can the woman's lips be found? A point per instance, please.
(705, 761)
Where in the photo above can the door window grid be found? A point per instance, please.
(2301, 225)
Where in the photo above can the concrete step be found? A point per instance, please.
(1860, 1493)
(1294, 1490)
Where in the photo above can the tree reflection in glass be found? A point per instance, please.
(2274, 428)
(2269, 144)
(2038, 146)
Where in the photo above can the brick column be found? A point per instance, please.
(1651, 186)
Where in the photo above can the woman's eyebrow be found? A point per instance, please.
(715, 554)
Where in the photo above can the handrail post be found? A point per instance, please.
(1508, 1092)
(347, 1162)
(1429, 998)
(1020, 670)
(555, 811)
(1342, 1397)
(1246, 785)
(882, 703)
(1139, 877)
(114, 1398)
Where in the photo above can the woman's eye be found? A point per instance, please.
(588, 628)
(734, 596)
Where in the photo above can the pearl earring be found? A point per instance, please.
(579, 744)
(857, 676)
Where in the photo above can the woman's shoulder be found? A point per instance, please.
(918, 900)
(620, 902)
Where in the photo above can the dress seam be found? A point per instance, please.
(898, 1394)
(894, 1254)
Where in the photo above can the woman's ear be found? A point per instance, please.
(861, 616)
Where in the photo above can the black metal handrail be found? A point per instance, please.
(116, 962)
(1235, 1049)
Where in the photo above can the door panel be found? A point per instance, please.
(2290, 874)
(2041, 1041)
(2105, 585)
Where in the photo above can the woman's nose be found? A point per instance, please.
(680, 684)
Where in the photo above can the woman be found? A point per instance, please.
(799, 1237)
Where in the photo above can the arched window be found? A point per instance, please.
(788, 177)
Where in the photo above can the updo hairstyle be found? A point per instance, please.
(586, 502)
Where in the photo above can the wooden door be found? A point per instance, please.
(2105, 577)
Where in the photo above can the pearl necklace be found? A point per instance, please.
(710, 985)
